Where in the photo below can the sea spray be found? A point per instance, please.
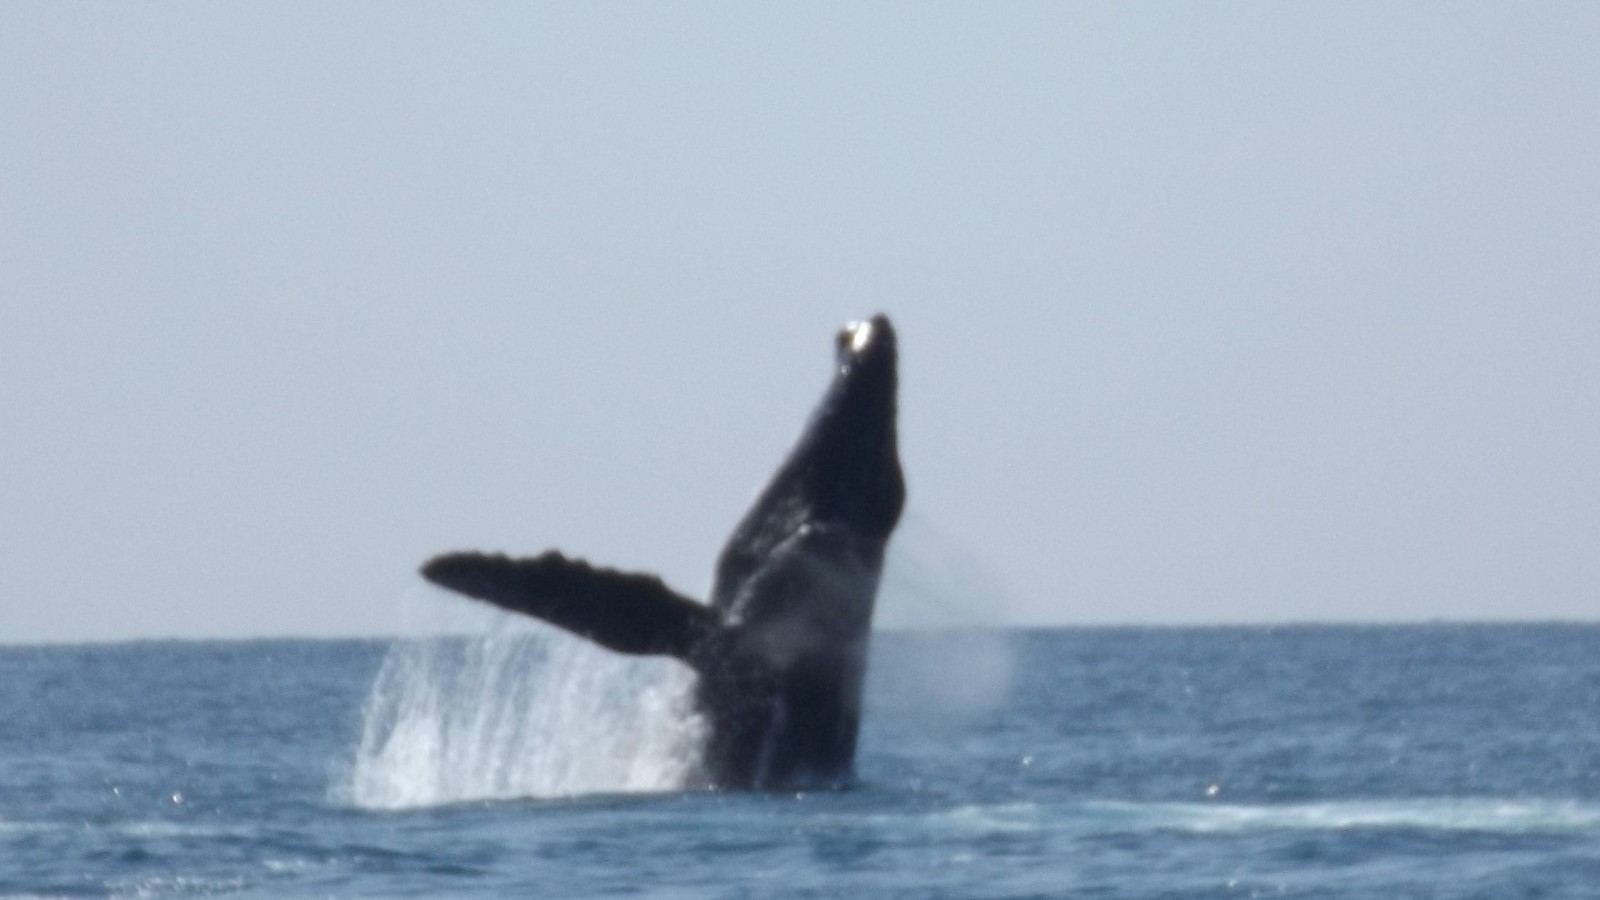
(522, 711)
(961, 663)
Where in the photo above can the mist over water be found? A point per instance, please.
(961, 662)
(523, 711)
(931, 581)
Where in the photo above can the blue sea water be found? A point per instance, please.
(1420, 761)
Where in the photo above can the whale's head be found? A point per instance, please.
(864, 373)
(866, 344)
(849, 451)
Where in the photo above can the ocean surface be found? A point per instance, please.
(1437, 761)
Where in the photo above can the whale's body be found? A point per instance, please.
(781, 650)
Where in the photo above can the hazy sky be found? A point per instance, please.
(1236, 312)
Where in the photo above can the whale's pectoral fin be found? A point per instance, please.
(624, 612)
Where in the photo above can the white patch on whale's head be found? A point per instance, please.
(853, 338)
(860, 334)
(856, 338)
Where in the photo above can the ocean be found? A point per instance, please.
(1440, 761)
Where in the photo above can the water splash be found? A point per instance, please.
(523, 711)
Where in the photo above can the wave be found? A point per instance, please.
(176, 885)
(157, 829)
(1518, 816)
(1116, 817)
(523, 711)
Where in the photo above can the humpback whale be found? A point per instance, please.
(780, 652)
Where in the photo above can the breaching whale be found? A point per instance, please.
(781, 650)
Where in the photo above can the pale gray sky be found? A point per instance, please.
(1233, 312)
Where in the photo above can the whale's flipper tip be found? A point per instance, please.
(625, 612)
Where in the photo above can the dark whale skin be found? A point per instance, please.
(781, 650)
